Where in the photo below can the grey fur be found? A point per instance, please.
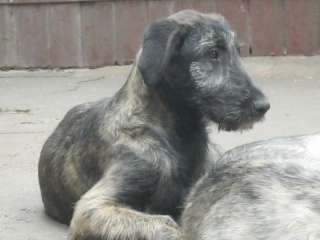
(128, 163)
(260, 191)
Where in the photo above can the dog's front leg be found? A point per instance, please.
(111, 209)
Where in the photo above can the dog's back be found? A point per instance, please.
(264, 190)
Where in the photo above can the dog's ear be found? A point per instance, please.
(161, 41)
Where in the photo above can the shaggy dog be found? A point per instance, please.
(260, 191)
(128, 163)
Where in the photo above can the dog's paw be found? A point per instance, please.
(165, 232)
(148, 227)
(164, 220)
(164, 228)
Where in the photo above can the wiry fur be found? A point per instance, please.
(260, 191)
(128, 163)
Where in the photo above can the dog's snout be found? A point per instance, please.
(262, 106)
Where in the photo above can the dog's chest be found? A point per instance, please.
(172, 189)
(168, 198)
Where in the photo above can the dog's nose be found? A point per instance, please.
(262, 106)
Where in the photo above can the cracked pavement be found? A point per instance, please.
(33, 102)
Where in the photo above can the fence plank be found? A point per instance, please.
(3, 37)
(24, 2)
(159, 9)
(97, 34)
(31, 37)
(235, 11)
(11, 42)
(131, 19)
(206, 6)
(268, 37)
(183, 4)
(64, 35)
(303, 32)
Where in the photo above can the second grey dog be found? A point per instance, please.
(260, 191)
(128, 163)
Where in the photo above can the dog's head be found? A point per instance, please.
(193, 57)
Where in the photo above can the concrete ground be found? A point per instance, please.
(32, 103)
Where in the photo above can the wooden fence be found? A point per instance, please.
(94, 33)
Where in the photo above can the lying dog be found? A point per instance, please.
(264, 190)
(128, 163)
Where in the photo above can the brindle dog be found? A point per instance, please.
(128, 163)
(260, 191)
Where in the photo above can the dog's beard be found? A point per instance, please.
(239, 124)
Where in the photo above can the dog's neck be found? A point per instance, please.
(136, 90)
(159, 108)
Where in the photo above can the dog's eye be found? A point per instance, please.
(213, 53)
